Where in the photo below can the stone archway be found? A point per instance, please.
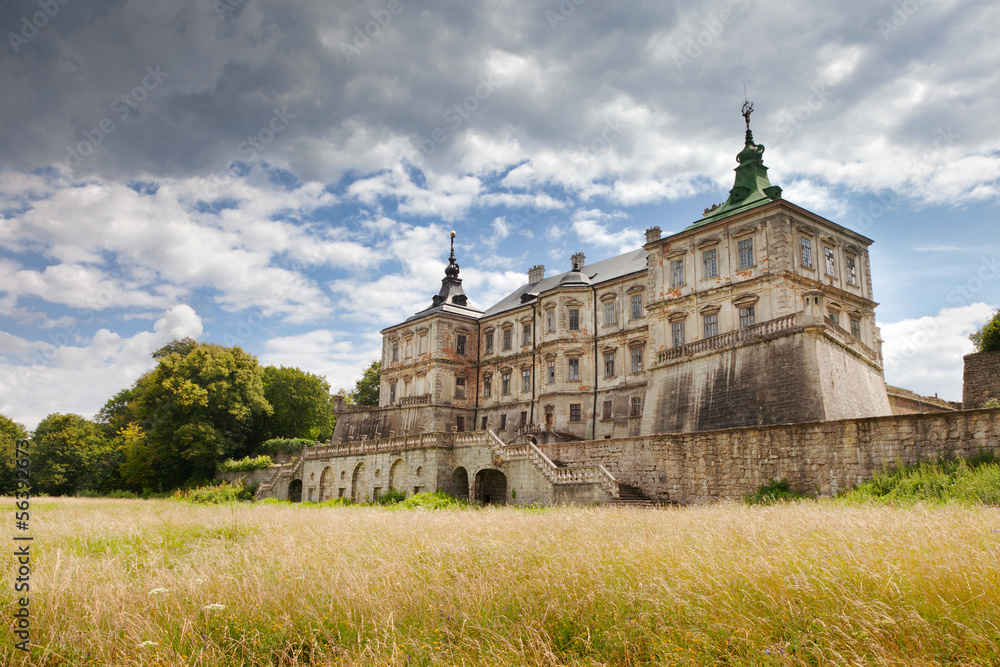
(295, 490)
(460, 483)
(325, 484)
(358, 483)
(491, 487)
(397, 473)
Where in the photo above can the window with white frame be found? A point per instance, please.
(746, 317)
(505, 384)
(745, 249)
(526, 334)
(636, 306)
(710, 263)
(574, 319)
(488, 340)
(852, 270)
(550, 371)
(573, 370)
(487, 385)
(677, 272)
(677, 332)
(609, 364)
(609, 312)
(550, 321)
(525, 379)
(637, 359)
(831, 264)
(711, 325)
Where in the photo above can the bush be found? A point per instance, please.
(225, 492)
(287, 445)
(971, 481)
(390, 497)
(987, 339)
(246, 464)
(773, 492)
(438, 500)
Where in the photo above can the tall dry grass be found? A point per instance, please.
(802, 583)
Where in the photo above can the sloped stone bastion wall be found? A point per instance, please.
(821, 457)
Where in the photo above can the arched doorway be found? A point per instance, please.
(325, 482)
(357, 483)
(295, 490)
(491, 487)
(460, 483)
(397, 475)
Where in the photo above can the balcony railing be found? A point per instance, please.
(422, 399)
(730, 338)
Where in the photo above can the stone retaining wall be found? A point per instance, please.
(981, 380)
(818, 457)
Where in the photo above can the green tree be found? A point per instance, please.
(301, 403)
(366, 390)
(10, 433)
(987, 339)
(68, 454)
(197, 407)
(120, 410)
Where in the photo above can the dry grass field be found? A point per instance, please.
(129, 582)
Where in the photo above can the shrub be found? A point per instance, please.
(971, 481)
(438, 500)
(246, 464)
(287, 445)
(391, 497)
(987, 338)
(225, 492)
(773, 492)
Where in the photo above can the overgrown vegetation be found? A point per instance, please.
(276, 446)
(246, 464)
(968, 482)
(987, 338)
(774, 491)
(214, 494)
(391, 497)
(161, 583)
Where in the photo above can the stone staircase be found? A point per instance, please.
(631, 496)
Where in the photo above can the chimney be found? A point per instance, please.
(652, 234)
(536, 274)
(577, 260)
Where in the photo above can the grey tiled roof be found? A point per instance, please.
(598, 272)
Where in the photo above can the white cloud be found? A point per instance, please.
(589, 225)
(323, 352)
(925, 354)
(38, 378)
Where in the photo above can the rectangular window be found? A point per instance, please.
(408, 350)
(550, 321)
(507, 336)
(710, 263)
(856, 328)
(746, 317)
(460, 344)
(677, 329)
(574, 370)
(392, 393)
(574, 412)
(745, 248)
(526, 380)
(574, 319)
(550, 372)
(609, 312)
(505, 384)
(609, 364)
(524, 418)
(711, 326)
(831, 265)
(677, 272)
(834, 317)
(503, 422)
(487, 386)
(636, 405)
(460, 422)
(489, 343)
(395, 351)
(852, 271)
(483, 427)
(422, 346)
(607, 410)
(526, 334)
(805, 247)
(459, 387)
(637, 359)
(636, 306)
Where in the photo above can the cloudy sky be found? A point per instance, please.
(282, 174)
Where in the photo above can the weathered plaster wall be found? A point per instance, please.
(815, 457)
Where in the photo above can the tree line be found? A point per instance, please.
(202, 404)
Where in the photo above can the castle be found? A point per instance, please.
(758, 314)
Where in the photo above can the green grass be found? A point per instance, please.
(974, 481)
